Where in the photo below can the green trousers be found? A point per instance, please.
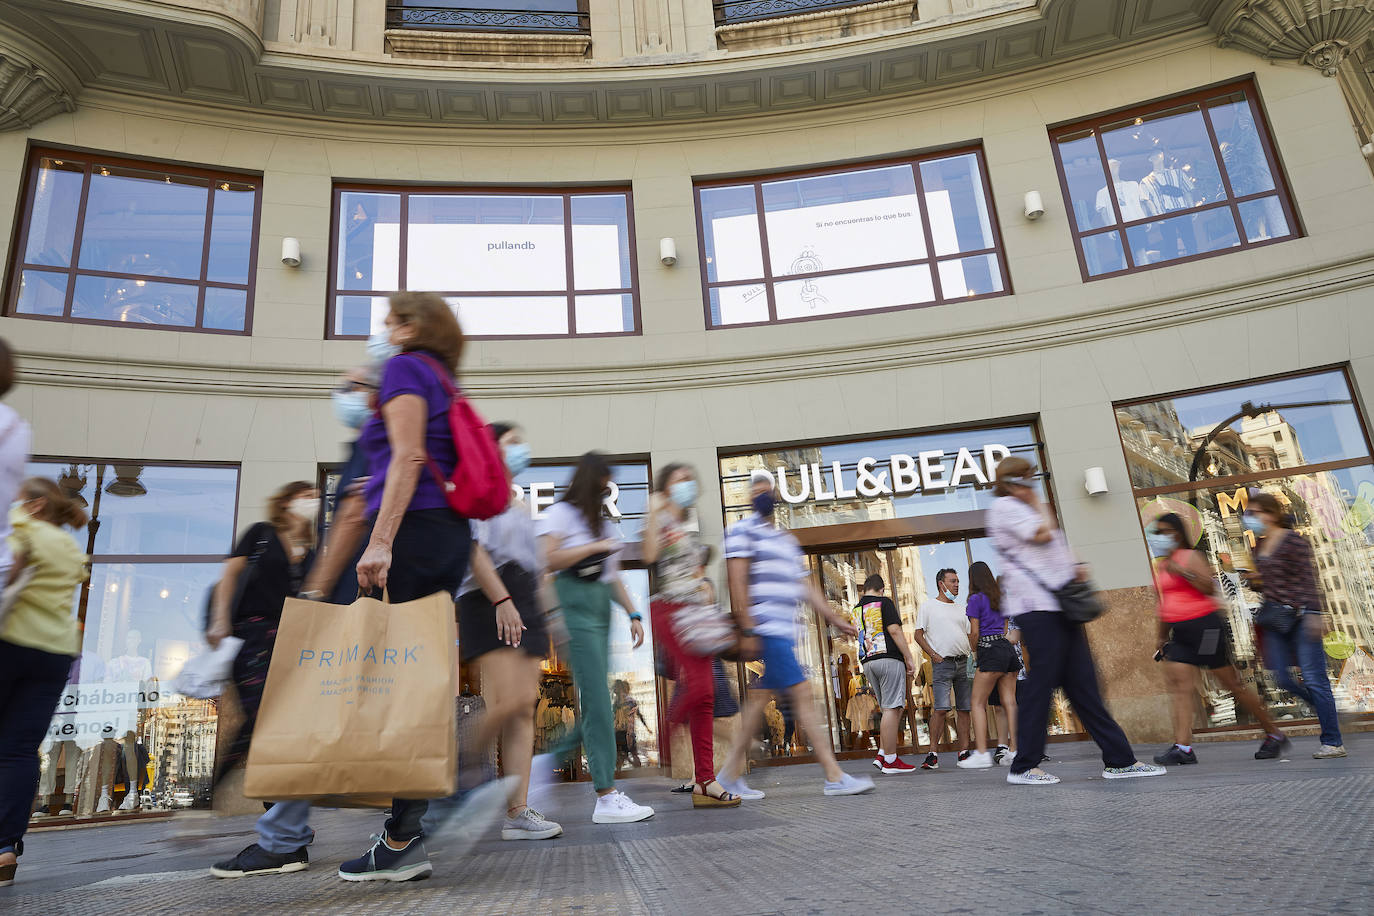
(587, 614)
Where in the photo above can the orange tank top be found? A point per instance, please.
(1178, 600)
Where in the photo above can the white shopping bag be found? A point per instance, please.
(205, 675)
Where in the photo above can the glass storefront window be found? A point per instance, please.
(1171, 181)
(846, 241)
(1301, 439)
(121, 740)
(527, 264)
(114, 242)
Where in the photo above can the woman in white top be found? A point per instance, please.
(1036, 559)
(501, 626)
(579, 545)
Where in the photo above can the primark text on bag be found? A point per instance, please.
(358, 702)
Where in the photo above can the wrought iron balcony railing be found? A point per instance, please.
(729, 12)
(572, 19)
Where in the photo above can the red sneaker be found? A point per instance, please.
(898, 765)
(878, 761)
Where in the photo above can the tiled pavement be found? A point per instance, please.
(1231, 835)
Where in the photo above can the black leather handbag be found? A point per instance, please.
(589, 569)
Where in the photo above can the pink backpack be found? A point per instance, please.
(478, 487)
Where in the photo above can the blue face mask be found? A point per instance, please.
(765, 503)
(351, 408)
(684, 493)
(1252, 523)
(1161, 544)
(517, 455)
(380, 348)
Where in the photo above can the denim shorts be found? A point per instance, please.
(951, 676)
(781, 669)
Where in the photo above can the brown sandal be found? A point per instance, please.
(704, 799)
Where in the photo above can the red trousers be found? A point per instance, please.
(694, 702)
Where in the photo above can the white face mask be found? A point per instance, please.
(307, 509)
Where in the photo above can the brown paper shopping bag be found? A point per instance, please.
(358, 702)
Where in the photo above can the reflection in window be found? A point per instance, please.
(512, 265)
(1181, 179)
(733, 11)
(1263, 426)
(849, 241)
(111, 242)
(1302, 440)
(122, 741)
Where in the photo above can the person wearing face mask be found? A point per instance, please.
(272, 559)
(334, 574)
(1035, 559)
(1288, 581)
(675, 551)
(501, 627)
(580, 545)
(1193, 634)
(768, 580)
(39, 637)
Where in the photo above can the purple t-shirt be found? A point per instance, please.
(409, 373)
(990, 623)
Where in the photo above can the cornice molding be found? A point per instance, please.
(1318, 33)
(29, 94)
(57, 369)
(212, 59)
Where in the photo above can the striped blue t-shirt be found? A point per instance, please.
(777, 575)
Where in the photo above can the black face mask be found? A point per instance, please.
(765, 503)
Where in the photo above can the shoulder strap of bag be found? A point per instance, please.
(452, 391)
(1014, 562)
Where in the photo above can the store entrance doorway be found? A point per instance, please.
(830, 659)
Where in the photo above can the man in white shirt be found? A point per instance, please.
(942, 632)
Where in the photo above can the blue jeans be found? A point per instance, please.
(31, 683)
(285, 827)
(1281, 653)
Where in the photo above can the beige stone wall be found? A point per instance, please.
(1059, 348)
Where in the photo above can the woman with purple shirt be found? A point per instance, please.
(419, 545)
(997, 664)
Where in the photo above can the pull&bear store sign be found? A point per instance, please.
(897, 475)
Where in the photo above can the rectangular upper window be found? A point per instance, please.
(728, 12)
(512, 263)
(107, 241)
(842, 241)
(513, 16)
(1189, 177)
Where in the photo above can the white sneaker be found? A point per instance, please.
(530, 825)
(617, 808)
(104, 804)
(849, 785)
(978, 760)
(1003, 756)
(1035, 777)
(740, 789)
(1134, 770)
(1329, 751)
(130, 802)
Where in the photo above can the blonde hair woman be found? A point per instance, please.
(38, 639)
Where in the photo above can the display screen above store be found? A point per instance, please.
(870, 480)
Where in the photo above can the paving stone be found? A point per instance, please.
(1230, 835)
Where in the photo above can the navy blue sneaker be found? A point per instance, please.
(382, 863)
(254, 860)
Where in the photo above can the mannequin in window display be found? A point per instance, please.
(1168, 189)
(773, 727)
(1131, 199)
(130, 668)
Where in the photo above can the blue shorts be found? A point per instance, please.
(780, 666)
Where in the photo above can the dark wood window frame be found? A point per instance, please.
(571, 292)
(92, 160)
(1093, 125)
(471, 18)
(770, 278)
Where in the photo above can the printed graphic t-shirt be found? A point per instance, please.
(873, 615)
